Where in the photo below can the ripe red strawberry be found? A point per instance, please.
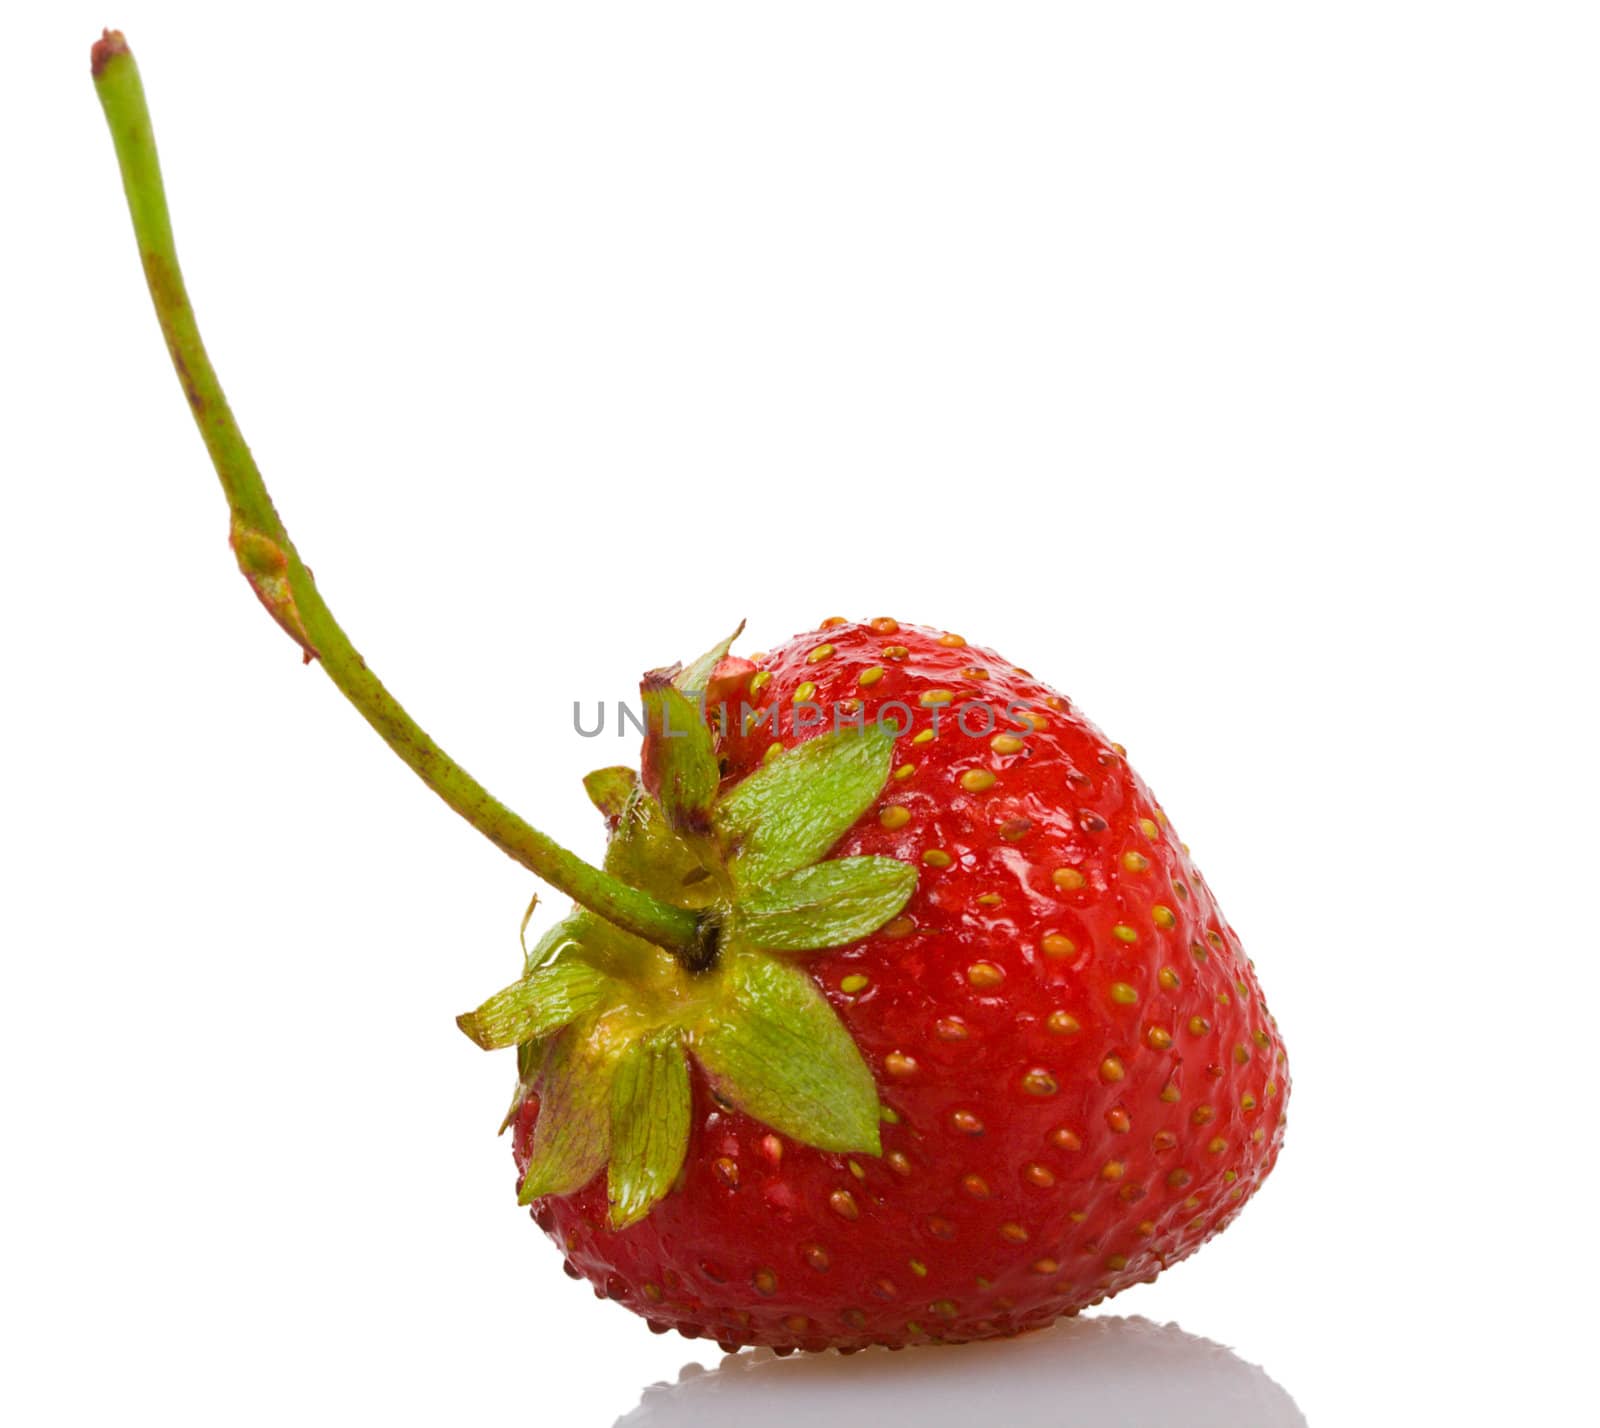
(1080, 1078)
(921, 1026)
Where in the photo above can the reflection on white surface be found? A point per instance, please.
(1110, 1372)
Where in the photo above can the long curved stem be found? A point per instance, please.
(270, 563)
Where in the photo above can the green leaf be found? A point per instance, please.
(680, 762)
(779, 1052)
(646, 853)
(649, 1126)
(572, 1137)
(827, 904)
(543, 1001)
(530, 1057)
(610, 789)
(788, 813)
(694, 679)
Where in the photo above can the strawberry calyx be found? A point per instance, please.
(605, 1021)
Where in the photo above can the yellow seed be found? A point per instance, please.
(855, 982)
(1217, 1146)
(966, 1123)
(894, 816)
(773, 751)
(985, 974)
(797, 1323)
(1147, 1228)
(1111, 1069)
(1159, 1038)
(1036, 721)
(1241, 1054)
(953, 642)
(1164, 1140)
(1006, 744)
(937, 858)
(1119, 1120)
(951, 1028)
(1014, 1232)
(888, 1115)
(819, 654)
(832, 622)
(1135, 862)
(1116, 1261)
(895, 651)
(1146, 825)
(1123, 994)
(930, 698)
(1247, 1102)
(898, 1161)
(1113, 1170)
(1064, 1139)
(1068, 879)
(1203, 1114)
(977, 780)
(843, 1204)
(1040, 1175)
(905, 771)
(925, 737)
(987, 899)
(897, 1063)
(817, 1257)
(1056, 944)
(1123, 933)
(1046, 1266)
(760, 680)
(1263, 1040)
(1198, 1026)
(1270, 1089)
(849, 706)
(804, 692)
(1039, 1082)
(765, 1281)
(1169, 979)
(1163, 917)
(900, 927)
(976, 1186)
(1170, 1093)
(869, 677)
(1177, 1179)
(973, 672)
(918, 1268)
(1063, 1023)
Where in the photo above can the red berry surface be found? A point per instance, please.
(1081, 1080)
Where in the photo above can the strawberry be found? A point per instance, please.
(896, 1011)
(1079, 1081)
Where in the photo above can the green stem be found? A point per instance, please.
(284, 585)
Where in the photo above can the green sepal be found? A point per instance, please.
(827, 904)
(694, 677)
(646, 852)
(530, 1057)
(572, 1137)
(680, 761)
(545, 1000)
(649, 1125)
(788, 813)
(609, 790)
(778, 1051)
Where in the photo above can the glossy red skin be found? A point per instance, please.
(1023, 1177)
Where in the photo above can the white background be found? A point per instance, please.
(1233, 366)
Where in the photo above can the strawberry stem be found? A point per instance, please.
(281, 581)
